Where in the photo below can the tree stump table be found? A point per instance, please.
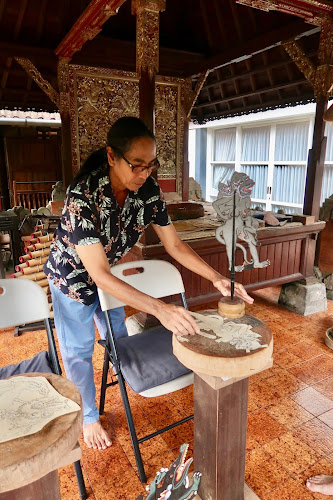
(220, 405)
(28, 465)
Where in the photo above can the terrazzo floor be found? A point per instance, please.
(290, 414)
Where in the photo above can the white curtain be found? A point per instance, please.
(291, 143)
(327, 186)
(329, 146)
(289, 183)
(222, 173)
(258, 173)
(225, 142)
(255, 146)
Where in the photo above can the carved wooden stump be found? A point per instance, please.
(220, 406)
(28, 465)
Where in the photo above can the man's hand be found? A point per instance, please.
(224, 286)
(177, 319)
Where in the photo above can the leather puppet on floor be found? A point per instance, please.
(173, 483)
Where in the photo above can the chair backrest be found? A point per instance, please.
(22, 301)
(156, 278)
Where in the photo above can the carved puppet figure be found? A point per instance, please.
(245, 225)
(173, 483)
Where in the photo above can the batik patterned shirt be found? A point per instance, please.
(92, 215)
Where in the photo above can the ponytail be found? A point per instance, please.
(95, 161)
(120, 137)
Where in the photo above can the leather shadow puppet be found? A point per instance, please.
(173, 483)
(238, 190)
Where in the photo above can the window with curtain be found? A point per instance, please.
(290, 159)
(291, 143)
(221, 173)
(275, 157)
(258, 173)
(255, 144)
(223, 164)
(327, 186)
(254, 158)
(225, 145)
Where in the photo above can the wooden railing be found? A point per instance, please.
(33, 194)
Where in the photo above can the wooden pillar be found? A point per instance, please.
(220, 439)
(147, 65)
(4, 188)
(66, 142)
(186, 165)
(316, 158)
(321, 78)
(147, 54)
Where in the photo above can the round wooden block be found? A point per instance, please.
(29, 458)
(231, 308)
(222, 359)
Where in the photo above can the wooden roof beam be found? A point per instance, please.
(250, 47)
(261, 69)
(39, 80)
(315, 12)
(250, 108)
(87, 26)
(249, 94)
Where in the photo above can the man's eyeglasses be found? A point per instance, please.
(138, 169)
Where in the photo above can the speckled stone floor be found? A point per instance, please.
(290, 414)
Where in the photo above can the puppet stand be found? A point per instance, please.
(28, 465)
(220, 407)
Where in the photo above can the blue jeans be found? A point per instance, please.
(74, 324)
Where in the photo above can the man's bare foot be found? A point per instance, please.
(95, 436)
(321, 484)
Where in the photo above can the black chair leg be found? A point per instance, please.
(131, 428)
(80, 480)
(104, 382)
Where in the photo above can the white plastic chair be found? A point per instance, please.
(23, 301)
(129, 356)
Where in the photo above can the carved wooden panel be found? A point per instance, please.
(100, 96)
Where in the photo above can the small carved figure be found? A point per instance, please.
(245, 225)
(173, 483)
(58, 193)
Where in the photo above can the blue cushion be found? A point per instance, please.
(39, 363)
(147, 359)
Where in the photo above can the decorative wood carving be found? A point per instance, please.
(313, 11)
(192, 96)
(301, 60)
(100, 96)
(320, 77)
(37, 77)
(63, 83)
(147, 34)
(87, 26)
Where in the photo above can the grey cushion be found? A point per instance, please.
(147, 359)
(39, 363)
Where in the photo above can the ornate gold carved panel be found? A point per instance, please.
(100, 96)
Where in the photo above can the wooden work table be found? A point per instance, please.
(290, 249)
(220, 404)
(28, 465)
